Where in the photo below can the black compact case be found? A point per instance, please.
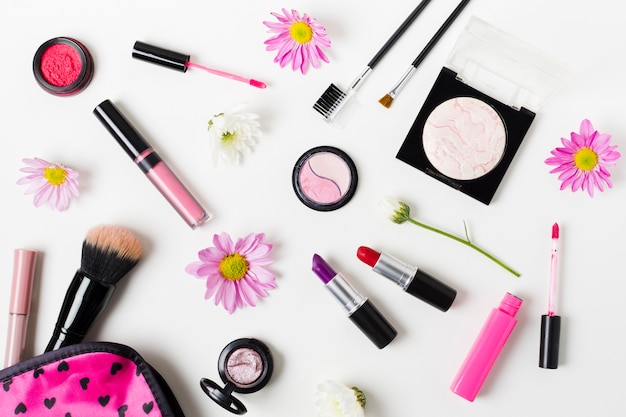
(504, 79)
(516, 123)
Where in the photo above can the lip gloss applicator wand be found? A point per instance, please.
(180, 62)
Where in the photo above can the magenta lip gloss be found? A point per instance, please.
(19, 308)
(486, 348)
(151, 164)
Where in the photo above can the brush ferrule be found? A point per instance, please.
(402, 81)
(360, 78)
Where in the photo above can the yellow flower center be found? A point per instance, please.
(55, 175)
(585, 159)
(233, 267)
(301, 32)
(229, 136)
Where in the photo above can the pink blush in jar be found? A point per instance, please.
(63, 66)
(324, 178)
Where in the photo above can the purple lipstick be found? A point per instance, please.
(360, 310)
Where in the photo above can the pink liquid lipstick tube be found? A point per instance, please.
(151, 164)
(486, 348)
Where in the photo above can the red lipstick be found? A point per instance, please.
(412, 280)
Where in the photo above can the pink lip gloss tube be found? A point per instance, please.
(151, 164)
(19, 307)
(486, 348)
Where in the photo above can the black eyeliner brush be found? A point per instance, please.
(108, 254)
(387, 99)
(333, 99)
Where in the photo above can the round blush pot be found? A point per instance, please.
(245, 366)
(324, 178)
(63, 66)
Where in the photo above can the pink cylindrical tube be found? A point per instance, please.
(178, 196)
(19, 307)
(486, 348)
(142, 154)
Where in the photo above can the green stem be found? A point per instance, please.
(466, 243)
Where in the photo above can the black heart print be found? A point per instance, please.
(37, 372)
(83, 383)
(115, 367)
(68, 415)
(49, 402)
(63, 366)
(7, 384)
(21, 408)
(104, 400)
(122, 410)
(148, 407)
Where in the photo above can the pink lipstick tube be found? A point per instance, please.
(486, 348)
(151, 164)
(19, 308)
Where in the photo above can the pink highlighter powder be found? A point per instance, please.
(60, 65)
(464, 138)
(325, 178)
(244, 366)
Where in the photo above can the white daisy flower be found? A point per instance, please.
(337, 400)
(232, 134)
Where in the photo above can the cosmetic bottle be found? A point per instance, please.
(486, 348)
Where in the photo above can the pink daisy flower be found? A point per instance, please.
(582, 161)
(299, 40)
(51, 183)
(235, 273)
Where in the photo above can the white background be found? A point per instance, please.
(159, 309)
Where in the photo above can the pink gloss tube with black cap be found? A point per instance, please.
(19, 308)
(151, 164)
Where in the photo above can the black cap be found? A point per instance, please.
(429, 289)
(160, 56)
(550, 339)
(373, 324)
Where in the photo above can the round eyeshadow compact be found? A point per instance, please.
(464, 138)
(325, 178)
(63, 66)
(245, 365)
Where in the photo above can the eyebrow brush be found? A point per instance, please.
(387, 99)
(334, 98)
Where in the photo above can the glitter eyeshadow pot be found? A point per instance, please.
(63, 66)
(479, 110)
(324, 178)
(245, 365)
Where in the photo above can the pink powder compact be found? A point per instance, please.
(63, 66)
(245, 365)
(324, 178)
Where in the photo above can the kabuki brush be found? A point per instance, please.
(108, 254)
(334, 98)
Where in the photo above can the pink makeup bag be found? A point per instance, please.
(86, 379)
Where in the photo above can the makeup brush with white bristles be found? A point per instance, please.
(108, 254)
(333, 99)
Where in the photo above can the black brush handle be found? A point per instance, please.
(444, 27)
(84, 300)
(396, 35)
